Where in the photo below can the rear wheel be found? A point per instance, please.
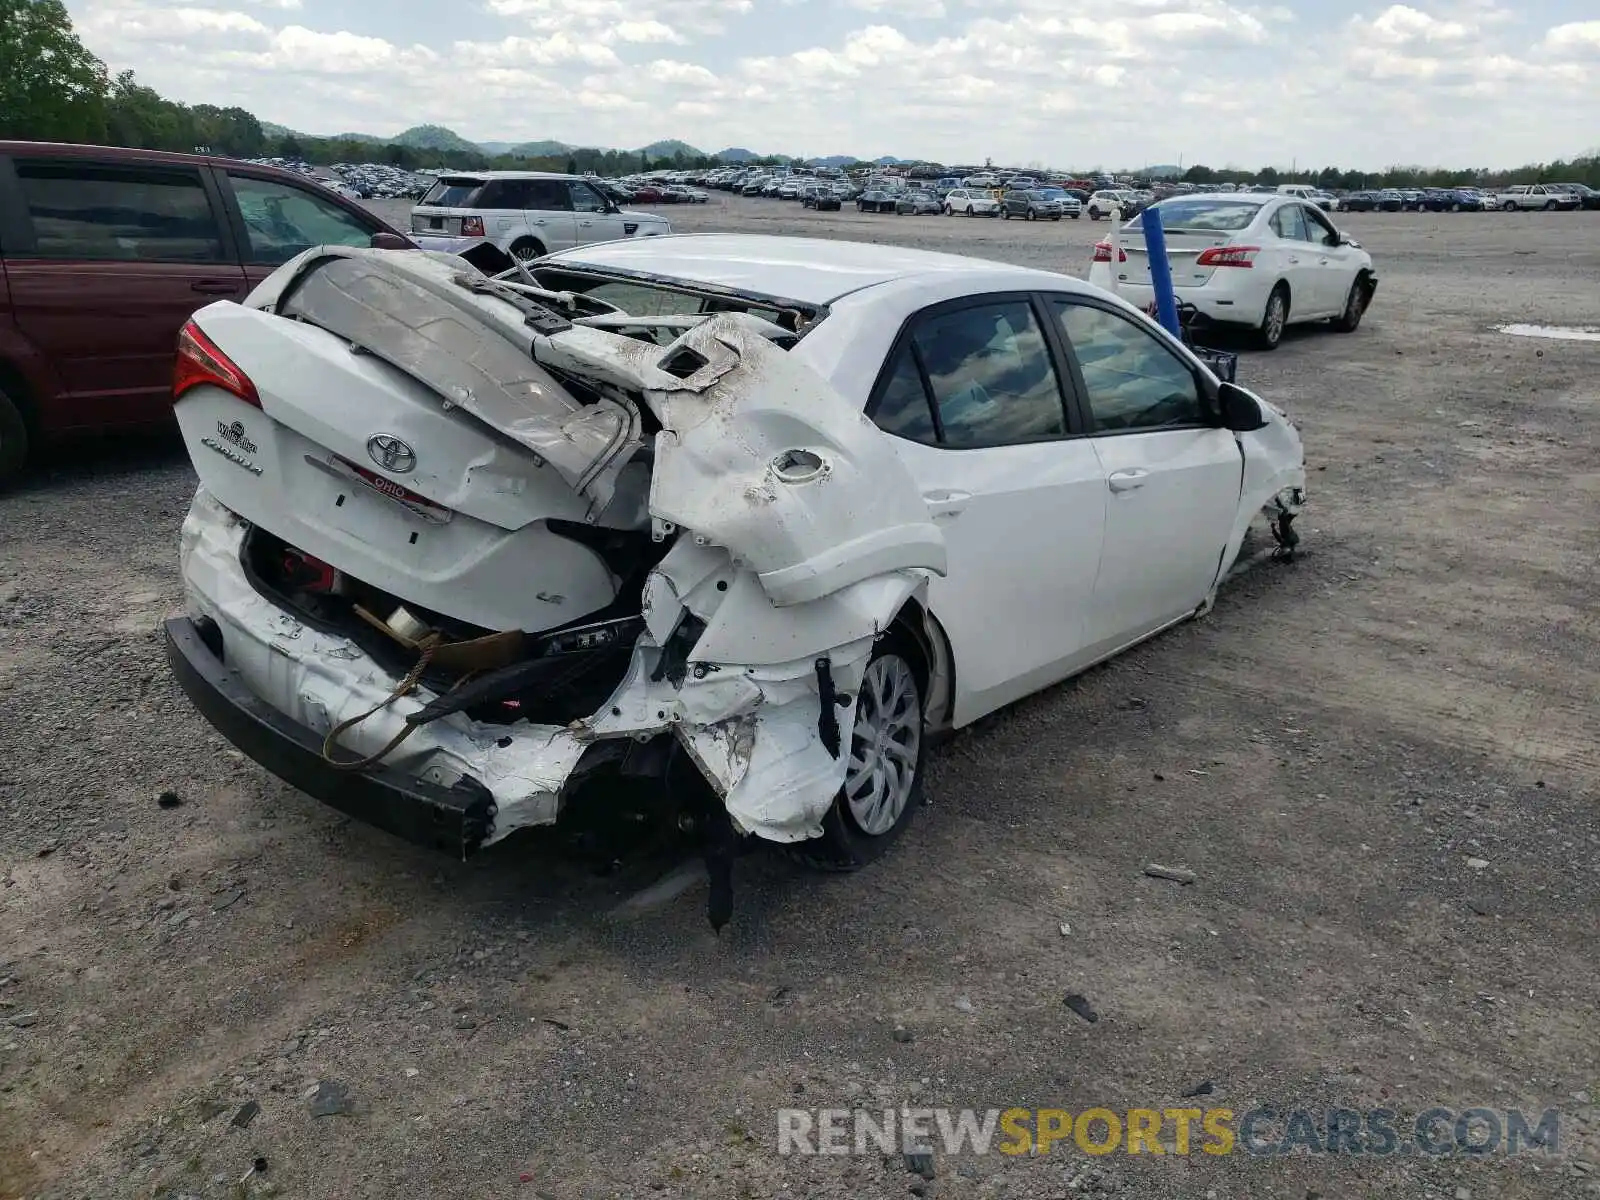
(1274, 319)
(1549, 206)
(883, 781)
(526, 250)
(13, 442)
(1509, 206)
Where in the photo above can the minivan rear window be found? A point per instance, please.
(451, 193)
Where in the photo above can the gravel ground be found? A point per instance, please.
(1379, 761)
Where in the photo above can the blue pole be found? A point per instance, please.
(1155, 245)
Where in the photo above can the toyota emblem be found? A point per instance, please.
(390, 453)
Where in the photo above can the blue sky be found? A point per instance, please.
(1366, 85)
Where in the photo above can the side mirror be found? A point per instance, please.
(385, 240)
(1240, 411)
(1342, 239)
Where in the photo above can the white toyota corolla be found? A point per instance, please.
(1262, 261)
(766, 511)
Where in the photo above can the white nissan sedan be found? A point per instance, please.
(763, 512)
(1261, 261)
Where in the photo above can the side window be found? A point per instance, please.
(902, 409)
(91, 212)
(585, 199)
(991, 376)
(548, 195)
(1133, 382)
(1288, 223)
(282, 219)
(1320, 227)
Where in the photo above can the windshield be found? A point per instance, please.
(1051, 194)
(1218, 215)
(451, 193)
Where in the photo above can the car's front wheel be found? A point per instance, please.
(1509, 206)
(883, 778)
(1355, 306)
(1549, 206)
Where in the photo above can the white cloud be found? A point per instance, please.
(1577, 39)
(1246, 82)
(927, 9)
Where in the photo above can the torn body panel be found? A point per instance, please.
(1274, 478)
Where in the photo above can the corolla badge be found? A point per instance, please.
(390, 453)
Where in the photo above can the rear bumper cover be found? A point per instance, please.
(454, 819)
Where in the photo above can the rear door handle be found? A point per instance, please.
(1126, 481)
(946, 503)
(215, 287)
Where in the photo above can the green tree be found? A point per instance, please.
(1199, 174)
(572, 166)
(51, 88)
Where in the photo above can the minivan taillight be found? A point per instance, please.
(1228, 256)
(201, 361)
(1102, 253)
(471, 226)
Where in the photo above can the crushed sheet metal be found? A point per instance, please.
(409, 311)
(730, 429)
(319, 679)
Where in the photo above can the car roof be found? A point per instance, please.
(1256, 198)
(485, 176)
(126, 154)
(813, 271)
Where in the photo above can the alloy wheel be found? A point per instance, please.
(885, 745)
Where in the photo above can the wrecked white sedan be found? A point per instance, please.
(780, 509)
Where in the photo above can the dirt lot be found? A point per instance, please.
(1380, 761)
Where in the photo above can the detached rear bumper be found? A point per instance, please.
(454, 819)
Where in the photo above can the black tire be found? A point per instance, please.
(1030, 214)
(13, 442)
(1269, 334)
(1075, 216)
(1549, 206)
(844, 845)
(527, 249)
(1094, 214)
(1509, 206)
(1355, 305)
(1005, 214)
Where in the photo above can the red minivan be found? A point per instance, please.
(105, 252)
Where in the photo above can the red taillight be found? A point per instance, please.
(1102, 253)
(200, 361)
(1228, 256)
(471, 226)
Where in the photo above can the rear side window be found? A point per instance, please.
(106, 213)
(281, 220)
(452, 193)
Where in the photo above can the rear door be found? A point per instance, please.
(114, 257)
(974, 400)
(275, 219)
(1169, 479)
(547, 205)
(594, 218)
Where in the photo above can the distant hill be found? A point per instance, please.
(435, 137)
(670, 147)
(736, 154)
(542, 149)
(833, 160)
